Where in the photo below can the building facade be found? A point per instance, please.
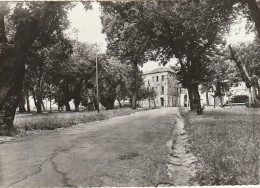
(168, 91)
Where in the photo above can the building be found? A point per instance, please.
(239, 89)
(168, 91)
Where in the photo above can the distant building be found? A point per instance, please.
(240, 89)
(168, 91)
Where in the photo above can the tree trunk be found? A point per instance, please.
(37, 102)
(67, 105)
(38, 105)
(108, 101)
(253, 97)
(133, 104)
(11, 83)
(134, 97)
(60, 106)
(120, 105)
(154, 103)
(43, 107)
(241, 67)
(77, 95)
(3, 38)
(27, 102)
(250, 83)
(221, 101)
(22, 105)
(76, 103)
(255, 14)
(207, 98)
(194, 98)
(50, 105)
(12, 70)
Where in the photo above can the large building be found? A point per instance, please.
(168, 91)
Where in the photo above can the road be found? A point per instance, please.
(123, 151)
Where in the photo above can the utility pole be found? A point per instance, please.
(97, 77)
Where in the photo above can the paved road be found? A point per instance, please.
(122, 151)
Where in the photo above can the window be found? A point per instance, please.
(153, 78)
(157, 78)
(162, 90)
(162, 77)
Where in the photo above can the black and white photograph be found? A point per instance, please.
(129, 93)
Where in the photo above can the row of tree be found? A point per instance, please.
(190, 31)
(36, 59)
(39, 61)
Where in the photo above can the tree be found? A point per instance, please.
(34, 20)
(82, 64)
(183, 29)
(146, 93)
(113, 78)
(254, 12)
(124, 39)
(247, 61)
(222, 74)
(12, 68)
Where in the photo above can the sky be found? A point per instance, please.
(88, 27)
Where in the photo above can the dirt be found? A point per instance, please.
(181, 166)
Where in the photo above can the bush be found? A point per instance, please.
(253, 105)
(55, 120)
(240, 99)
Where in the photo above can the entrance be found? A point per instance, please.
(185, 101)
(162, 101)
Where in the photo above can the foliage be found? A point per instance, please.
(125, 41)
(146, 93)
(222, 73)
(252, 105)
(57, 120)
(185, 30)
(249, 54)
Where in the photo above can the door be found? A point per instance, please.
(162, 101)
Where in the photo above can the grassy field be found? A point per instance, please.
(226, 142)
(51, 121)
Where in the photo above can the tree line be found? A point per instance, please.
(192, 32)
(38, 60)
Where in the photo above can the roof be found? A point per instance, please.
(158, 70)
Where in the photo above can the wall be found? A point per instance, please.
(171, 94)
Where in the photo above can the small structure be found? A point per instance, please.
(168, 91)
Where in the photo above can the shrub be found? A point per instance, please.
(253, 105)
(240, 99)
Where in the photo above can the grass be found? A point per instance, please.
(51, 121)
(226, 142)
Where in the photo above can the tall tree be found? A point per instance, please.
(183, 29)
(123, 37)
(12, 69)
(33, 20)
(246, 58)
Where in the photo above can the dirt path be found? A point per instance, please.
(181, 166)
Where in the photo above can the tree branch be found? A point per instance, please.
(241, 67)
